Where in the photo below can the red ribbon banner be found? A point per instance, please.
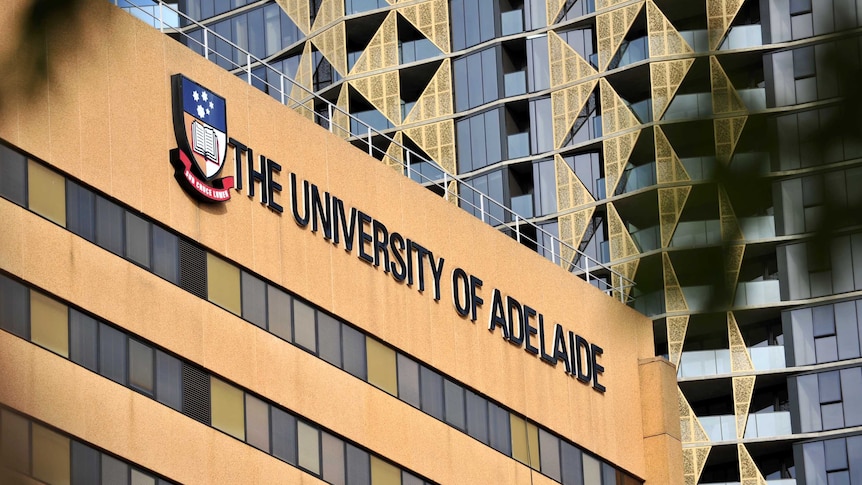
(206, 190)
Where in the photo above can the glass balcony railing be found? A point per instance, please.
(643, 110)
(697, 39)
(760, 425)
(753, 293)
(512, 22)
(757, 162)
(689, 106)
(780, 481)
(696, 233)
(631, 52)
(647, 239)
(523, 205)
(637, 178)
(151, 14)
(698, 297)
(515, 83)
(518, 145)
(742, 36)
(754, 98)
(759, 227)
(649, 303)
(699, 168)
(703, 363)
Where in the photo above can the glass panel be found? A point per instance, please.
(498, 426)
(381, 366)
(431, 384)
(829, 385)
(383, 473)
(851, 385)
(15, 442)
(112, 353)
(836, 454)
(140, 366)
(80, 211)
(408, 380)
(549, 446)
(47, 193)
(109, 225)
(454, 401)
(571, 463)
(304, 333)
(257, 422)
(137, 240)
(280, 321)
(353, 351)
(165, 254)
(309, 451)
(13, 307)
(477, 416)
(168, 385)
(329, 332)
(223, 284)
(284, 436)
(333, 459)
(13, 176)
(49, 323)
(141, 478)
(592, 469)
(228, 413)
(253, 300)
(358, 466)
(85, 464)
(114, 471)
(519, 439)
(833, 415)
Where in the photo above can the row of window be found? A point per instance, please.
(825, 333)
(835, 461)
(809, 270)
(828, 400)
(271, 308)
(40, 452)
(184, 387)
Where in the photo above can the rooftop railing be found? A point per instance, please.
(163, 16)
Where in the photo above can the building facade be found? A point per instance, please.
(325, 319)
(602, 122)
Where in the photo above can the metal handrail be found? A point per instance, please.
(590, 269)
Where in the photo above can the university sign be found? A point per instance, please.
(201, 129)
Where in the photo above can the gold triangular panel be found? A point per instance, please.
(740, 361)
(725, 99)
(743, 388)
(611, 29)
(340, 119)
(670, 205)
(431, 18)
(691, 429)
(438, 141)
(749, 474)
(566, 105)
(627, 270)
(666, 77)
(452, 192)
(394, 157)
(329, 11)
(331, 44)
(571, 192)
(383, 92)
(616, 115)
(719, 15)
(667, 164)
(674, 298)
(621, 243)
(573, 226)
(730, 230)
(693, 461)
(436, 100)
(676, 328)
(732, 263)
(382, 50)
(664, 39)
(617, 151)
(727, 132)
(566, 64)
(300, 93)
(298, 11)
(552, 9)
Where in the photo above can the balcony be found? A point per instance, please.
(703, 363)
(739, 37)
(760, 425)
(515, 83)
(759, 227)
(696, 233)
(699, 168)
(512, 22)
(689, 106)
(637, 178)
(781, 481)
(647, 239)
(755, 293)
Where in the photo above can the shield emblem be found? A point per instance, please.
(200, 125)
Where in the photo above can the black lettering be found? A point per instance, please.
(364, 237)
(256, 176)
(516, 335)
(560, 352)
(381, 238)
(437, 273)
(273, 168)
(542, 341)
(458, 275)
(301, 221)
(585, 364)
(347, 225)
(498, 318)
(475, 284)
(396, 246)
(321, 211)
(595, 352)
(529, 330)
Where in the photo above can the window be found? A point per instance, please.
(223, 284)
(465, 14)
(228, 412)
(114, 471)
(14, 308)
(138, 240)
(479, 141)
(476, 79)
(541, 127)
(381, 366)
(383, 473)
(431, 384)
(308, 446)
(254, 300)
(571, 464)
(165, 254)
(477, 416)
(550, 454)
(280, 320)
(112, 353)
(408, 380)
(454, 404)
(304, 331)
(49, 323)
(47, 193)
(83, 340)
(329, 331)
(499, 429)
(85, 464)
(109, 225)
(13, 176)
(284, 436)
(50, 456)
(332, 452)
(257, 422)
(353, 346)
(15, 442)
(169, 378)
(141, 367)
(358, 466)
(80, 211)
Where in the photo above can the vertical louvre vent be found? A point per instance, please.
(193, 269)
(196, 394)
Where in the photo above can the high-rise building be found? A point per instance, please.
(198, 285)
(602, 122)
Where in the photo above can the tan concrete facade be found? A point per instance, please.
(105, 119)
